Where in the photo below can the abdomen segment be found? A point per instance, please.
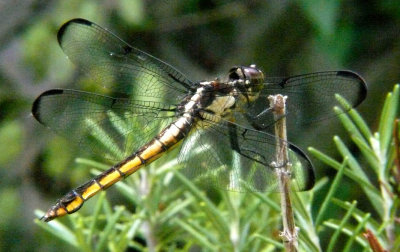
(72, 201)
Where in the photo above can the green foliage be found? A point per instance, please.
(380, 188)
(10, 137)
(178, 218)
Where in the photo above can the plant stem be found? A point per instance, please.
(289, 234)
(148, 227)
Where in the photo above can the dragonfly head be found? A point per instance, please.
(250, 79)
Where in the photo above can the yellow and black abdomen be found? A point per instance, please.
(166, 139)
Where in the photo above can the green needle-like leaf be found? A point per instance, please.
(356, 168)
(110, 227)
(357, 214)
(360, 226)
(198, 236)
(268, 201)
(387, 118)
(347, 230)
(333, 188)
(128, 233)
(344, 221)
(57, 229)
(80, 236)
(173, 209)
(207, 205)
(358, 121)
(348, 124)
(352, 161)
(269, 240)
(368, 153)
(91, 163)
(349, 173)
(95, 216)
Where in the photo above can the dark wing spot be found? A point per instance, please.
(36, 103)
(64, 27)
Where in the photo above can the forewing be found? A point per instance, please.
(311, 97)
(228, 156)
(119, 66)
(111, 127)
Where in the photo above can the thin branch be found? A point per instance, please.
(289, 234)
(373, 241)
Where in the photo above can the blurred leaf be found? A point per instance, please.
(57, 229)
(213, 213)
(97, 210)
(38, 35)
(108, 229)
(269, 240)
(198, 236)
(390, 7)
(58, 156)
(90, 9)
(128, 234)
(323, 14)
(10, 202)
(132, 11)
(80, 236)
(11, 136)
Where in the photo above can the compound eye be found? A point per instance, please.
(254, 75)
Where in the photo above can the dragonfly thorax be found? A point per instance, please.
(215, 97)
(220, 97)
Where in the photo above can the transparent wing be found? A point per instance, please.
(311, 97)
(119, 66)
(110, 127)
(228, 156)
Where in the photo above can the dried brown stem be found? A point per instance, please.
(373, 241)
(289, 234)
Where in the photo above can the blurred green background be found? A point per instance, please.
(201, 38)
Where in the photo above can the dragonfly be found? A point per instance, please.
(221, 126)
